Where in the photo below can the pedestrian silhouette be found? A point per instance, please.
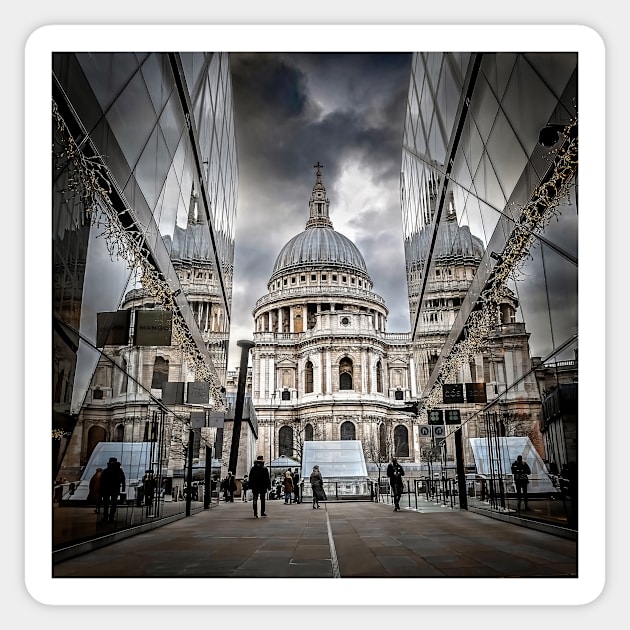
(521, 470)
(395, 473)
(244, 488)
(317, 484)
(259, 484)
(112, 484)
(288, 487)
(296, 486)
(94, 494)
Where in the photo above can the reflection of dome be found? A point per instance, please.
(456, 240)
(453, 241)
(316, 246)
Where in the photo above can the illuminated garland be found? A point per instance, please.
(90, 187)
(534, 217)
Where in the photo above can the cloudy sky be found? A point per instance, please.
(291, 111)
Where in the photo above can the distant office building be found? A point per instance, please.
(144, 202)
(489, 194)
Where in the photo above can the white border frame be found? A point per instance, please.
(339, 38)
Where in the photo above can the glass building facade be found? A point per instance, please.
(144, 195)
(490, 220)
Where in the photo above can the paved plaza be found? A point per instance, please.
(340, 540)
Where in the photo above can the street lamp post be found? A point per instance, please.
(245, 346)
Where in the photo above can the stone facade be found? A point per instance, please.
(324, 366)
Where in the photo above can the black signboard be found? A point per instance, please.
(112, 329)
(173, 393)
(476, 393)
(453, 393)
(452, 416)
(435, 416)
(153, 328)
(197, 419)
(198, 393)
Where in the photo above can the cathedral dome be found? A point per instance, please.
(319, 246)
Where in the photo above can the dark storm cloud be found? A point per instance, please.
(345, 111)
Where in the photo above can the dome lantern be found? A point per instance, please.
(319, 203)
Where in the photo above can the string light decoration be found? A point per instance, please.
(534, 216)
(89, 188)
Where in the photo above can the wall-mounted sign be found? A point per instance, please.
(112, 329)
(439, 431)
(197, 419)
(453, 393)
(153, 328)
(173, 393)
(452, 416)
(476, 393)
(435, 416)
(198, 393)
(425, 430)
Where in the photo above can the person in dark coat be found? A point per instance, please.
(112, 484)
(296, 486)
(149, 484)
(317, 484)
(244, 488)
(395, 473)
(287, 483)
(94, 495)
(521, 470)
(230, 487)
(259, 484)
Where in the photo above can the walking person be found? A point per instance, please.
(521, 470)
(229, 487)
(317, 484)
(149, 485)
(296, 486)
(112, 484)
(395, 473)
(288, 487)
(244, 488)
(259, 484)
(94, 494)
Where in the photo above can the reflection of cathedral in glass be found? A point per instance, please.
(156, 204)
(483, 257)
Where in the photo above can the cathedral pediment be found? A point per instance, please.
(286, 363)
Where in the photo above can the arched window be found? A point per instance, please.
(348, 431)
(308, 378)
(401, 441)
(345, 373)
(308, 433)
(95, 435)
(160, 373)
(285, 441)
(120, 433)
(382, 441)
(379, 377)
